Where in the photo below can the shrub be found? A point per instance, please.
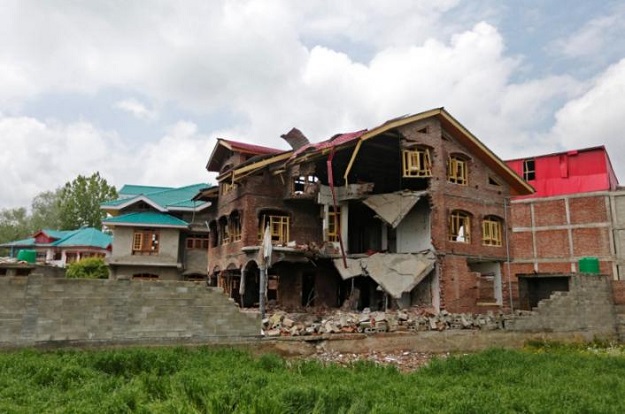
(89, 268)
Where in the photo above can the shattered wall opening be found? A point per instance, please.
(535, 287)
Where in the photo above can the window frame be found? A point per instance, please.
(279, 227)
(197, 241)
(138, 242)
(529, 169)
(334, 224)
(416, 163)
(459, 219)
(492, 231)
(458, 169)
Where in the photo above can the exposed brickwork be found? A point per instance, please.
(591, 242)
(550, 213)
(522, 245)
(552, 244)
(618, 292)
(590, 209)
(521, 215)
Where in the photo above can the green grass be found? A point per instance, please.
(543, 378)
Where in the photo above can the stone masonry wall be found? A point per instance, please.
(587, 306)
(35, 310)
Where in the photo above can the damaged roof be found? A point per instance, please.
(354, 139)
(225, 148)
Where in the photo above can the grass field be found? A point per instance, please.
(538, 379)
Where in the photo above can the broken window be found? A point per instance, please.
(235, 226)
(457, 169)
(224, 235)
(278, 227)
(227, 187)
(197, 241)
(491, 231)
(334, 223)
(145, 242)
(417, 163)
(529, 170)
(460, 226)
(303, 182)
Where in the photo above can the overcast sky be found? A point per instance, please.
(140, 90)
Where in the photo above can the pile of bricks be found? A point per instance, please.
(415, 319)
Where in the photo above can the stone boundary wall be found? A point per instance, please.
(588, 306)
(40, 311)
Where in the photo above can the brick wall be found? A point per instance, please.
(36, 310)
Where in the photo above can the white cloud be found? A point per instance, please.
(136, 109)
(596, 117)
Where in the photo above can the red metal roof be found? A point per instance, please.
(569, 172)
(250, 148)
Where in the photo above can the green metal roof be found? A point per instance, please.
(165, 198)
(87, 236)
(134, 190)
(146, 218)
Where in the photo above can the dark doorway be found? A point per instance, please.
(534, 288)
(308, 289)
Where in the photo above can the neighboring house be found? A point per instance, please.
(412, 212)
(577, 212)
(159, 233)
(62, 247)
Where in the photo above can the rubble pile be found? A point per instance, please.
(281, 323)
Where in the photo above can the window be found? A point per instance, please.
(278, 226)
(71, 257)
(213, 234)
(235, 226)
(529, 170)
(491, 231)
(334, 224)
(301, 183)
(224, 235)
(197, 241)
(227, 187)
(457, 170)
(460, 227)
(145, 242)
(416, 163)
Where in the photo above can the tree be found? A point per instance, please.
(14, 224)
(45, 211)
(89, 268)
(80, 199)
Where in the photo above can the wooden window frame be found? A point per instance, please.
(197, 242)
(223, 230)
(334, 224)
(279, 227)
(141, 245)
(458, 220)
(458, 170)
(234, 224)
(529, 169)
(492, 231)
(416, 163)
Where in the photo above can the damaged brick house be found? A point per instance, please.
(410, 212)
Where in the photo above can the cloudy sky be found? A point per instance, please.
(139, 91)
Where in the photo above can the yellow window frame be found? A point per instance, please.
(492, 232)
(334, 224)
(457, 170)
(459, 227)
(416, 163)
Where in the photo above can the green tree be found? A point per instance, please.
(14, 224)
(80, 199)
(89, 268)
(45, 211)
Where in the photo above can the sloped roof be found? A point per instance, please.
(224, 148)
(162, 199)
(146, 218)
(87, 236)
(134, 190)
(84, 237)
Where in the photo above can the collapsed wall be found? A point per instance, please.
(587, 306)
(36, 310)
